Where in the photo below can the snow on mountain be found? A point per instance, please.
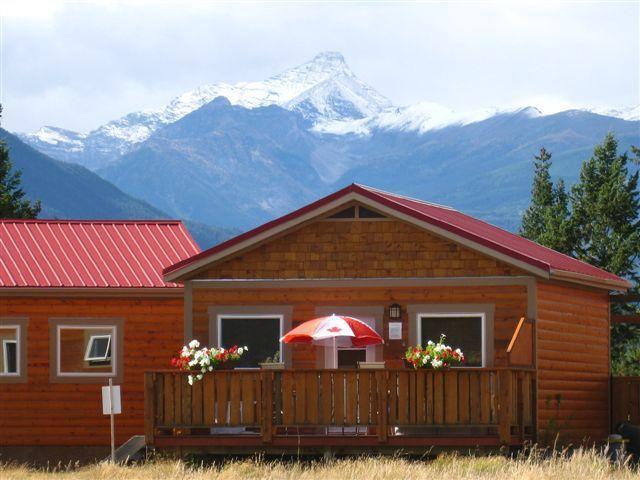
(625, 113)
(420, 117)
(321, 89)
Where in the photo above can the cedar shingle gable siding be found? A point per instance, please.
(359, 249)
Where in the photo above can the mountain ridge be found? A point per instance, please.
(324, 91)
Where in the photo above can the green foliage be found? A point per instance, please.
(12, 201)
(547, 220)
(625, 350)
(606, 212)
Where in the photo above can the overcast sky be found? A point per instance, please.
(77, 65)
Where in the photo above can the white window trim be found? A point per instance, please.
(92, 339)
(280, 318)
(114, 346)
(5, 358)
(483, 328)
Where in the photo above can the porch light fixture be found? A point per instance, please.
(395, 311)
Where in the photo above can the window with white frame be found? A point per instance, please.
(10, 355)
(260, 333)
(85, 350)
(466, 331)
(98, 349)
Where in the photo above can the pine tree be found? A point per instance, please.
(546, 220)
(12, 201)
(606, 212)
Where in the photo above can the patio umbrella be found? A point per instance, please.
(334, 330)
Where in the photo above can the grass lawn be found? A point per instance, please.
(581, 465)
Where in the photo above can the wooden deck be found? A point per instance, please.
(356, 410)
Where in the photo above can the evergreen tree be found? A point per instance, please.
(606, 212)
(546, 220)
(12, 201)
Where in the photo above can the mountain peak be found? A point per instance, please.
(332, 57)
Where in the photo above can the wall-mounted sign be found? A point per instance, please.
(395, 330)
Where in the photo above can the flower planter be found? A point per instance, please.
(371, 365)
(272, 365)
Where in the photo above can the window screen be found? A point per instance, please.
(464, 333)
(260, 335)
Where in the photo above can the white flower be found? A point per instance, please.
(194, 344)
(210, 368)
(199, 376)
(240, 351)
(246, 349)
(190, 379)
(436, 363)
(425, 360)
(458, 351)
(430, 342)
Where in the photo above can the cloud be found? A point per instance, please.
(78, 65)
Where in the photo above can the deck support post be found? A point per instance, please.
(520, 406)
(504, 407)
(382, 381)
(149, 407)
(267, 405)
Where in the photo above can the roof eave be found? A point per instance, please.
(591, 281)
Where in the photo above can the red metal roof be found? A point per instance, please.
(446, 218)
(91, 253)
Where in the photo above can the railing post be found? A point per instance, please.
(267, 405)
(149, 407)
(520, 406)
(382, 381)
(504, 407)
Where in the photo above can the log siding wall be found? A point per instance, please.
(572, 338)
(42, 413)
(510, 304)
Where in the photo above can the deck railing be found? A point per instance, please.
(467, 402)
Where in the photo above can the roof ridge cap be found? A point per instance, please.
(405, 197)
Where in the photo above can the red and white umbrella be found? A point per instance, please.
(334, 330)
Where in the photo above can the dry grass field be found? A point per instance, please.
(582, 465)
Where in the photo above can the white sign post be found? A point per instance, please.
(111, 406)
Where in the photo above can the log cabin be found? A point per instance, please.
(82, 302)
(533, 324)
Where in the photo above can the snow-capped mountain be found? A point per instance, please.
(420, 118)
(323, 89)
(625, 113)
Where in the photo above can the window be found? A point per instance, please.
(86, 350)
(10, 356)
(465, 331)
(13, 350)
(98, 349)
(260, 333)
(349, 357)
(356, 212)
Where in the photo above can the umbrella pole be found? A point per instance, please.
(335, 354)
